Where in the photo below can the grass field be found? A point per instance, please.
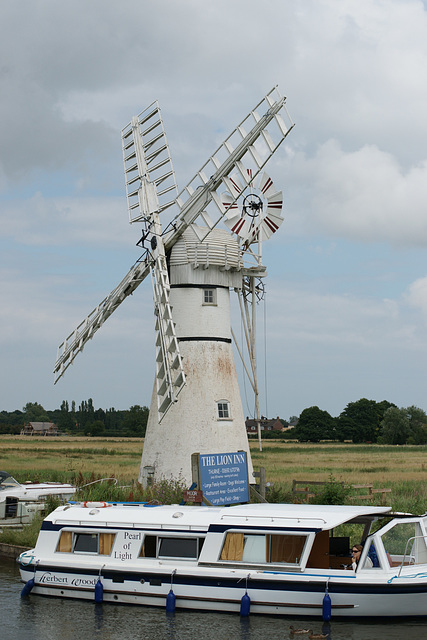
(401, 468)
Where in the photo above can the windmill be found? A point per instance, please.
(210, 242)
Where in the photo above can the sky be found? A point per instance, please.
(345, 311)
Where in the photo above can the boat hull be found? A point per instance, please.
(272, 595)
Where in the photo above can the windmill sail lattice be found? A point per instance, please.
(249, 146)
(150, 179)
(170, 376)
(149, 173)
(74, 343)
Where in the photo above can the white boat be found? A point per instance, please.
(283, 557)
(19, 503)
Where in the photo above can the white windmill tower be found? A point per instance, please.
(210, 242)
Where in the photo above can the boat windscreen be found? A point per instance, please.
(7, 481)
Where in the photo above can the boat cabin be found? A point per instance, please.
(273, 538)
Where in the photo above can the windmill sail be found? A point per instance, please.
(150, 177)
(85, 331)
(150, 180)
(249, 146)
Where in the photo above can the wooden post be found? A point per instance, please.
(261, 485)
(195, 469)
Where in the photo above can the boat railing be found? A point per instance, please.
(99, 480)
(272, 518)
(412, 539)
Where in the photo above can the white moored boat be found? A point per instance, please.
(19, 503)
(285, 557)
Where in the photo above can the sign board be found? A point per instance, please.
(192, 495)
(224, 477)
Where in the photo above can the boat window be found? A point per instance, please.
(233, 547)
(178, 547)
(149, 547)
(286, 548)
(65, 542)
(405, 543)
(7, 482)
(253, 549)
(339, 546)
(168, 547)
(263, 548)
(86, 543)
(106, 541)
(372, 560)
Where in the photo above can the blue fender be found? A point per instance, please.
(245, 605)
(170, 602)
(27, 588)
(326, 607)
(99, 592)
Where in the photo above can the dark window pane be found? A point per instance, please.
(148, 549)
(87, 542)
(178, 547)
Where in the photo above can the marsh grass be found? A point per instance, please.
(357, 463)
(62, 459)
(26, 537)
(401, 468)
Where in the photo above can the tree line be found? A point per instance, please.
(364, 421)
(361, 421)
(82, 420)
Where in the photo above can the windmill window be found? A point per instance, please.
(223, 410)
(209, 297)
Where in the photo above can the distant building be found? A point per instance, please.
(266, 425)
(292, 424)
(39, 429)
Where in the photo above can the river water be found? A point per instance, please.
(41, 618)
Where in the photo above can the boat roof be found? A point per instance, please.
(133, 515)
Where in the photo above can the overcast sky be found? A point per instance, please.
(346, 302)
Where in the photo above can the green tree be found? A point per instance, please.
(314, 425)
(366, 416)
(395, 426)
(135, 421)
(345, 428)
(85, 414)
(95, 428)
(34, 412)
(65, 421)
(417, 425)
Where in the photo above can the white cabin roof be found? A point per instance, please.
(200, 518)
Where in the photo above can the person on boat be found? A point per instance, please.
(356, 552)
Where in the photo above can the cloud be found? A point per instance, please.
(417, 295)
(363, 195)
(33, 323)
(328, 350)
(65, 221)
(349, 291)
